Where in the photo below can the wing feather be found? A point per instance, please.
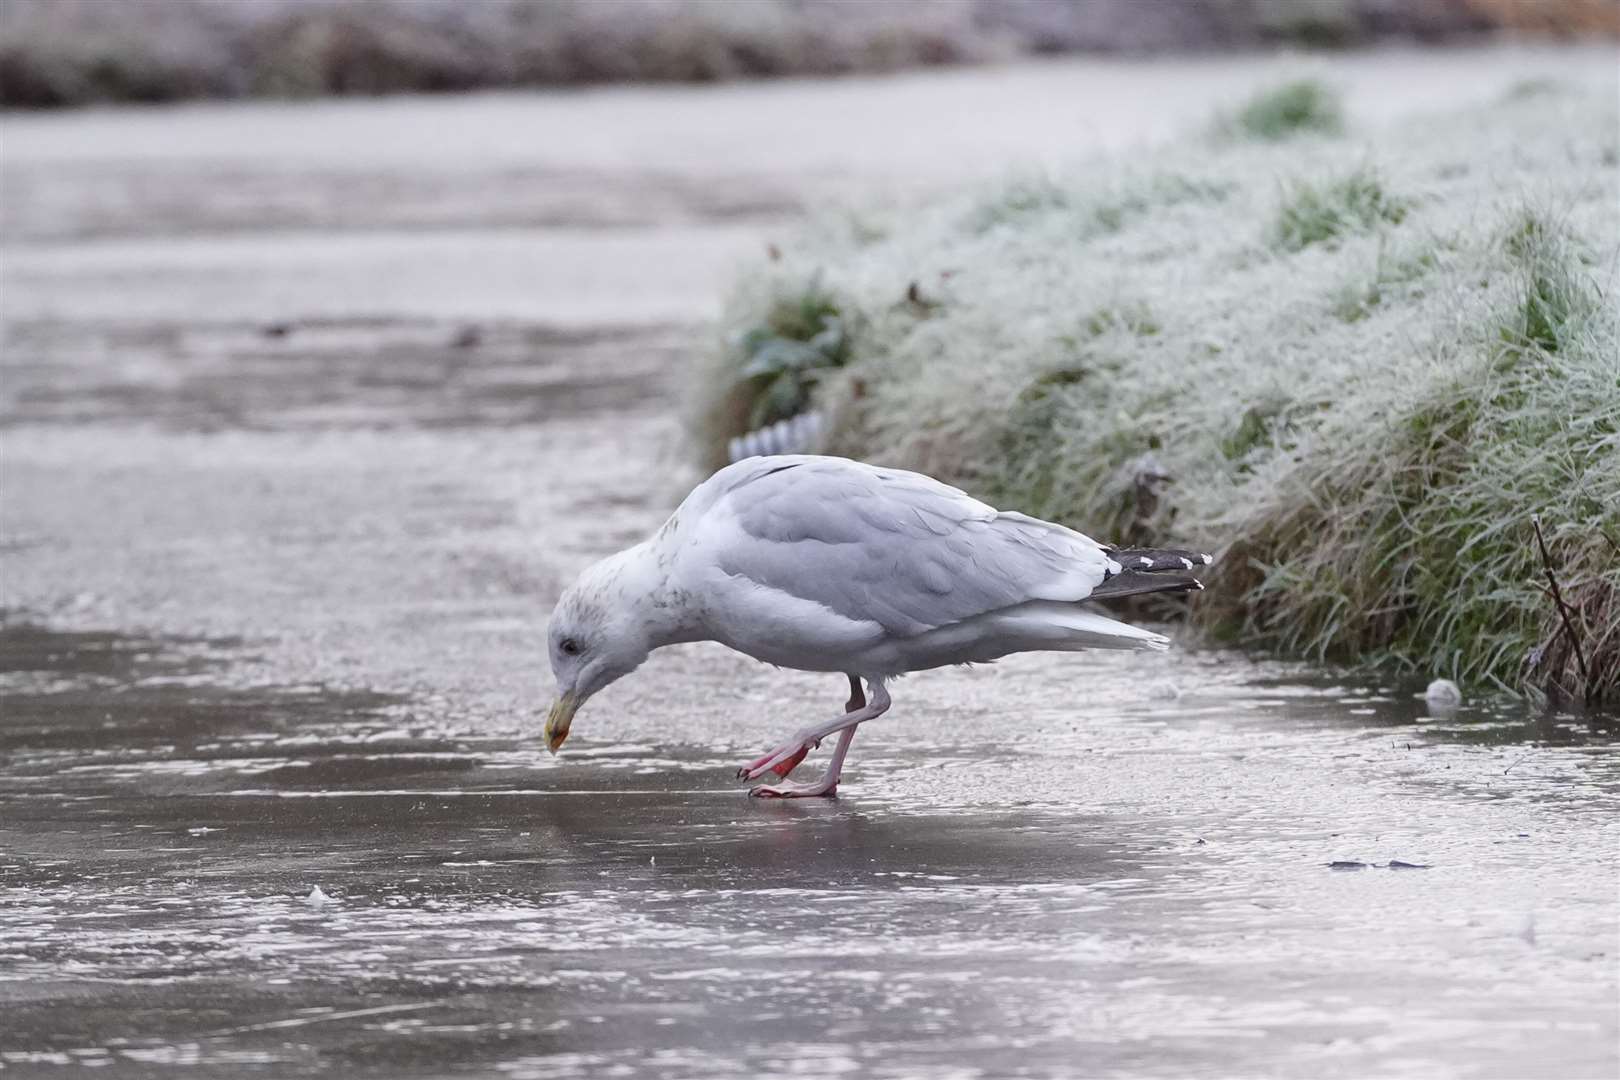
(888, 546)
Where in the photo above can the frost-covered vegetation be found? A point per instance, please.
(69, 52)
(1305, 106)
(1364, 362)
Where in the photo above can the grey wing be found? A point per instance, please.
(891, 547)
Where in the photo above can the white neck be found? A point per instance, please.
(642, 591)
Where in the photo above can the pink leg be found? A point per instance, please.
(791, 753)
(781, 768)
(827, 785)
(857, 700)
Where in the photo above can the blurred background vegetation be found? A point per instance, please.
(74, 52)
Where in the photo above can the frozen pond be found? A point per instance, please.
(1205, 885)
(300, 435)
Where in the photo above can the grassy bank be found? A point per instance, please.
(1364, 360)
(71, 52)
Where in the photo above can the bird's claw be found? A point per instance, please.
(781, 762)
(795, 791)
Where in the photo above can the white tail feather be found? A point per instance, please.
(1064, 626)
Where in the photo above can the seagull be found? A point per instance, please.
(828, 564)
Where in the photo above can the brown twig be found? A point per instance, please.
(1563, 610)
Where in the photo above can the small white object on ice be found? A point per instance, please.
(1164, 690)
(1443, 694)
(317, 899)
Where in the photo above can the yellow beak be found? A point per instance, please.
(562, 714)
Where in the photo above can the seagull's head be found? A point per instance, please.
(597, 636)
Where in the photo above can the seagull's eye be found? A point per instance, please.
(569, 646)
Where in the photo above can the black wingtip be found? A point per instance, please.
(1158, 560)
